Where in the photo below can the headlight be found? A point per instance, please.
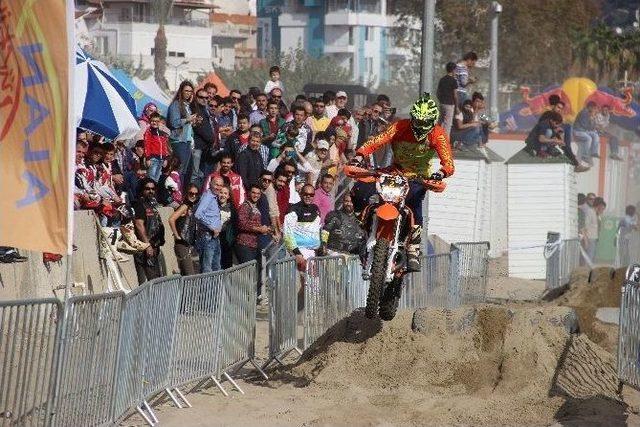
(392, 188)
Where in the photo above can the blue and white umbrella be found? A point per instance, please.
(102, 104)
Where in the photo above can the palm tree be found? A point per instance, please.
(161, 10)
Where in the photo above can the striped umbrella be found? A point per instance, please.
(103, 105)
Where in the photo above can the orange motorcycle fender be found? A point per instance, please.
(387, 212)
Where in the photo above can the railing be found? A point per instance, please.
(474, 266)
(627, 249)
(629, 334)
(100, 357)
(112, 353)
(563, 257)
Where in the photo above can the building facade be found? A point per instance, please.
(358, 34)
(202, 35)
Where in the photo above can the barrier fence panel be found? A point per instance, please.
(29, 340)
(430, 286)
(325, 301)
(283, 309)
(356, 288)
(88, 355)
(563, 257)
(473, 266)
(629, 335)
(628, 249)
(196, 351)
(146, 343)
(239, 318)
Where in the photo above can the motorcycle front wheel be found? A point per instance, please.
(391, 299)
(377, 278)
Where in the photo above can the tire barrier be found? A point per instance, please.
(629, 334)
(563, 257)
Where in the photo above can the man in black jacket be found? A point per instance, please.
(205, 137)
(249, 162)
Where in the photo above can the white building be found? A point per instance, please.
(356, 33)
(196, 36)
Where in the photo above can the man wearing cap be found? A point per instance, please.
(320, 161)
(332, 111)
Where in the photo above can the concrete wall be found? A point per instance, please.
(32, 279)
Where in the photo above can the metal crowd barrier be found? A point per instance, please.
(29, 341)
(435, 285)
(283, 309)
(629, 333)
(474, 263)
(628, 249)
(357, 289)
(325, 296)
(563, 257)
(88, 360)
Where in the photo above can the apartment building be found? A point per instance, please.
(358, 34)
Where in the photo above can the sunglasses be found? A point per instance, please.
(308, 194)
(192, 193)
(203, 97)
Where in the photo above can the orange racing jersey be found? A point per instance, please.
(411, 156)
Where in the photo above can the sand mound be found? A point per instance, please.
(482, 359)
(587, 297)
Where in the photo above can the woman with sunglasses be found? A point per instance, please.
(181, 120)
(183, 226)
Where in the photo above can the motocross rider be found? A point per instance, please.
(414, 142)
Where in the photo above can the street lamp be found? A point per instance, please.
(496, 8)
(426, 63)
(175, 69)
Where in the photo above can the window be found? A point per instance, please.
(351, 65)
(368, 65)
(153, 51)
(172, 53)
(369, 33)
(215, 51)
(102, 44)
(180, 54)
(350, 36)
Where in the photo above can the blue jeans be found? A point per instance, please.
(209, 251)
(589, 143)
(155, 168)
(183, 151)
(469, 136)
(414, 200)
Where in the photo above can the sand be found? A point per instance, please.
(489, 365)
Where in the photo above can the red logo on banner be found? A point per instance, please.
(10, 81)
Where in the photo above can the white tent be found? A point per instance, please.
(151, 88)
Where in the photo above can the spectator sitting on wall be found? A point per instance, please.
(468, 130)
(586, 134)
(342, 232)
(149, 229)
(547, 137)
(558, 106)
(603, 125)
(302, 228)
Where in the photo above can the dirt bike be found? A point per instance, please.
(388, 224)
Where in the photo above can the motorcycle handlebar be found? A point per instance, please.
(369, 175)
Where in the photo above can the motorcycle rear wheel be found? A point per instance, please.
(378, 277)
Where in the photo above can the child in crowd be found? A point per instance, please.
(274, 82)
(156, 147)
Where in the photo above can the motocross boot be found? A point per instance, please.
(413, 249)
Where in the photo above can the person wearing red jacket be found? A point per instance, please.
(415, 142)
(238, 194)
(156, 147)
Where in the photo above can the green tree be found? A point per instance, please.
(161, 10)
(297, 69)
(536, 36)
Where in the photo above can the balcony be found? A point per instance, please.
(340, 48)
(123, 16)
(355, 6)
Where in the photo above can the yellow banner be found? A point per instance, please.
(36, 127)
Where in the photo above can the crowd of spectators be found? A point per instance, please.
(244, 174)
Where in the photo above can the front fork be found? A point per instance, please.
(394, 246)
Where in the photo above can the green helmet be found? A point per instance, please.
(424, 115)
